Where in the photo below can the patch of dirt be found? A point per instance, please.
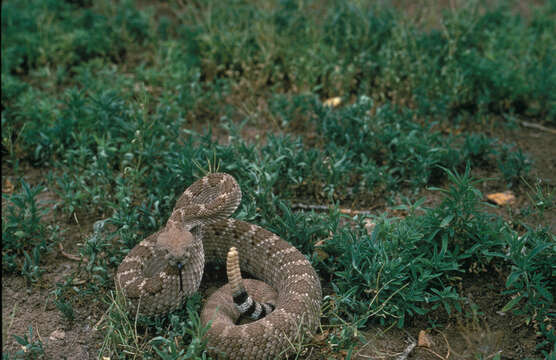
(541, 147)
(25, 305)
(62, 339)
(486, 331)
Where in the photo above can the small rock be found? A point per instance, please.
(57, 335)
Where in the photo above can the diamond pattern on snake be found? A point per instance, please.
(160, 272)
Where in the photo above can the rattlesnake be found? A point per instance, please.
(165, 268)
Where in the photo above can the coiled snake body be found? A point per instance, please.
(165, 268)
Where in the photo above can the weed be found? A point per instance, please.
(478, 148)
(405, 267)
(62, 298)
(532, 258)
(30, 348)
(121, 335)
(65, 308)
(97, 251)
(298, 345)
(168, 347)
(123, 338)
(25, 238)
(542, 198)
(514, 165)
(31, 266)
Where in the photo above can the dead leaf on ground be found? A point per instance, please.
(8, 187)
(369, 226)
(57, 335)
(424, 339)
(501, 198)
(333, 102)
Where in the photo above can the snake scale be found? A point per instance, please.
(160, 272)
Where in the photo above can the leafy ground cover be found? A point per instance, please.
(110, 109)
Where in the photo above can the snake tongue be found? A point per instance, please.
(180, 266)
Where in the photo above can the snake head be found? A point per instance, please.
(177, 243)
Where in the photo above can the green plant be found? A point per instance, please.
(513, 164)
(167, 347)
(30, 348)
(65, 308)
(532, 258)
(458, 227)
(62, 298)
(23, 232)
(99, 256)
(478, 148)
(183, 338)
(31, 266)
(405, 267)
(542, 198)
(120, 335)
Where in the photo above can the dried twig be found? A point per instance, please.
(96, 327)
(538, 127)
(407, 350)
(327, 208)
(70, 256)
(447, 343)
(434, 353)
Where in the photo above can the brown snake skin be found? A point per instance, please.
(200, 230)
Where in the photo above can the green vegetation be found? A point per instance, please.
(114, 104)
(30, 348)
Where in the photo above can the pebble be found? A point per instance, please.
(57, 335)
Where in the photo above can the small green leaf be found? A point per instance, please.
(544, 293)
(21, 340)
(537, 250)
(512, 278)
(446, 221)
(513, 302)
